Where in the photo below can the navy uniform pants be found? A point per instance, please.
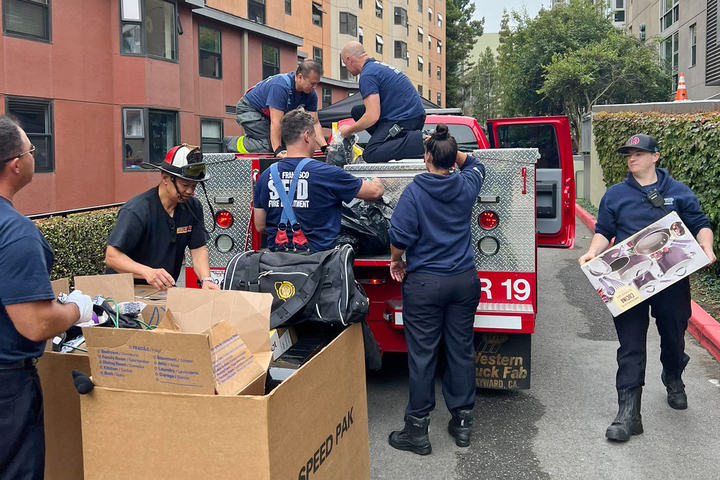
(439, 308)
(406, 144)
(671, 309)
(22, 437)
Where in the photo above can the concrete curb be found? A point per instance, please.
(701, 325)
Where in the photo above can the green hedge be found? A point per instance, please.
(79, 241)
(689, 150)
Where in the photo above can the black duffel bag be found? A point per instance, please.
(319, 287)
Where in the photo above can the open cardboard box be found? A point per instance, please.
(314, 425)
(155, 301)
(644, 264)
(61, 402)
(209, 341)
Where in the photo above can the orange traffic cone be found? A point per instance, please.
(681, 93)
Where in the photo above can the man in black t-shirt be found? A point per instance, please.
(154, 228)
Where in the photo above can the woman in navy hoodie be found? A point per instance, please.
(624, 210)
(440, 287)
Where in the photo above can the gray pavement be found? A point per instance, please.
(556, 429)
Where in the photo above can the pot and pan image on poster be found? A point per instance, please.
(645, 263)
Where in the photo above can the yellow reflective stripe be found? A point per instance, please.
(240, 146)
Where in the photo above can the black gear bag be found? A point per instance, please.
(319, 287)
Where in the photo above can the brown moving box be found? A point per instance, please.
(155, 301)
(61, 402)
(314, 425)
(216, 341)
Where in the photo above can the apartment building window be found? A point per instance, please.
(669, 13)
(148, 134)
(211, 134)
(438, 73)
(430, 14)
(360, 5)
(210, 52)
(36, 117)
(400, 49)
(693, 44)
(420, 6)
(344, 74)
(439, 20)
(379, 44)
(429, 43)
(288, 7)
(348, 23)
(378, 8)
(270, 60)
(28, 19)
(256, 11)
(401, 16)
(318, 55)
(326, 97)
(150, 31)
(420, 34)
(429, 70)
(317, 13)
(421, 62)
(669, 51)
(420, 86)
(439, 102)
(439, 46)
(361, 35)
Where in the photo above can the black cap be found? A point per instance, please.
(640, 142)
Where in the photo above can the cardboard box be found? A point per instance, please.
(216, 341)
(155, 301)
(61, 402)
(645, 263)
(314, 425)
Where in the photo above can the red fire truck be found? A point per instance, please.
(528, 198)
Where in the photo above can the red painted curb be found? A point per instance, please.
(701, 325)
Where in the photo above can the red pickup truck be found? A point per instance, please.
(527, 199)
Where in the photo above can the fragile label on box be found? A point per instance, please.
(645, 263)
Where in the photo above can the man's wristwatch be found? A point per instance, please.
(203, 280)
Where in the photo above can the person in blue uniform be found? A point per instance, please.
(154, 228)
(392, 111)
(262, 108)
(321, 189)
(440, 291)
(624, 210)
(29, 314)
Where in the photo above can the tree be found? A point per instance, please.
(555, 37)
(483, 88)
(619, 69)
(460, 33)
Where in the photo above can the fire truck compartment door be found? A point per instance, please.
(548, 200)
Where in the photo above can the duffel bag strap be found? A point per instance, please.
(252, 274)
(297, 301)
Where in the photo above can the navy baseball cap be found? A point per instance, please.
(639, 142)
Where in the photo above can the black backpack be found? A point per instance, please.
(318, 287)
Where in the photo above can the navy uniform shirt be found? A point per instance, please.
(625, 209)
(148, 235)
(26, 260)
(432, 220)
(398, 98)
(273, 92)
(318, 200)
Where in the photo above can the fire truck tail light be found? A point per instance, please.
(488, 245)
(371, 281)
(224, 219)
(224, 243)
(488, 219)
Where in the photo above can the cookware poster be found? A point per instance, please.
(645, 263)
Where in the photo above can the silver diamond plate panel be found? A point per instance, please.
(229, 177)
(504, 179)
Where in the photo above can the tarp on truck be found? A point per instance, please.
(341, 110)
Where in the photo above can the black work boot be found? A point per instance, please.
(460, 426)
(676, 396)
(414, 437)
(628, 421)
